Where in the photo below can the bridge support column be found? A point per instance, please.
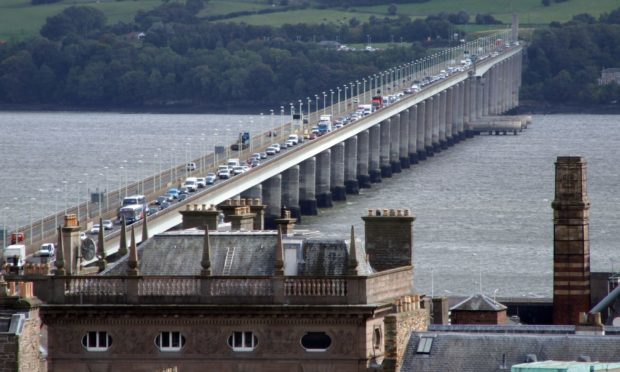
(428, 126)
(486, 84)
(413, 135)
(479, 97)
(457, 112)
(307, 187)
(290, 191)
(363, 178)
(443, 119)
(403, 137)
(337, 188)
(466, 108)
(323, 179)
(435, 131)
(395, 144)
(463, 111)
(255, 192)
(490, 91)
(350, 166)
(421, 128)
(272, 197)
(385, 164)
(450, 113)
(374, 161)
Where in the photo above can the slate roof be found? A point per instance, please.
(486, 352)
(478, 302)
(180, 253)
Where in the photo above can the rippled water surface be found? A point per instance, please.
(482, 207)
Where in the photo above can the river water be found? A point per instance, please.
(482, 207)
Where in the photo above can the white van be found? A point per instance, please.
(234, 162)
(191, 183)
(190, 167)
(293, 138)
(133, 200)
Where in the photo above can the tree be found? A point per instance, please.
(546, 2)
(79, 20)
(392, 9)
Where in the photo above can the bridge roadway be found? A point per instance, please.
(465, 109)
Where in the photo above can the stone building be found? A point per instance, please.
(196, 300)
(610, 75)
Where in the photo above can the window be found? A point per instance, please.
(316, 341)
(376, 338)
(243, 341)
(424, 346)
(97, 341)
(170, 341)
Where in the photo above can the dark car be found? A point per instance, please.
(164, 205)
(162, 199)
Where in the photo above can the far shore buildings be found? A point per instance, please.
(246, 299)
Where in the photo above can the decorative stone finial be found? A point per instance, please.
(132, 262)
(102, 263)
(145, 230)
(122, 248)
(60, 255)
(279, 264)
(352, 267)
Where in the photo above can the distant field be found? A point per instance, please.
(19, 19)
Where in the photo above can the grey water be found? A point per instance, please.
(483, 207)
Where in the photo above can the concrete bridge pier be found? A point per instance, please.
(290, 191)
(457, 113)
(450, 112)
(486, 87)
(272, 198)
(473, 105)
(443, 120)
(491, 91)
(363, 178)
(255, 192)
(421, 128)
(479, 98)
(428, 126)
(351, 183)
(413, 135)
(435, 130)
(323, 179)
(385, 149)
(404, 139)
(337, 188)
(395, 144)
(307, 187)
(374, 160)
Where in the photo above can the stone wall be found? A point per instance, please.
(21, 352)
(8, 352)
(398, 328)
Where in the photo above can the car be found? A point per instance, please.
(202, 182)
(174, 192)
(283, 145)
(238, 170)
(210, 178)
(263, 155)
(182, 197)
(190, 167)
(108, 224)
(191, 184)
(255, 155)
(152, 210)
(271, 150)
(224, 173)
(276, 146)
(183, 191)
(255, 162)
(290, 143)
(164, 205)
(161, 199)
(95, 229)
(293, 138)
(46, 250)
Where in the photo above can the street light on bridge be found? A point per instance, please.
(331, 101)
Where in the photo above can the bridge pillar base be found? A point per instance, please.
(443, 144)
(413, 158)
(405, 162)
(375, 176)
(308, 207)
(469, 133)
(396, 167)
(363, 181)
(430, 151)
(462, 136)
(450, 142)
(324, 200)
(353, 186)
(339, 193)
(386, 171)
(437, 148)
(270, 222)
(421, 155)
(295, 213)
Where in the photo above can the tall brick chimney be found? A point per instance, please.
(571, 241)
(70, 235)
(389, 238)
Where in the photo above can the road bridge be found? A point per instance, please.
(461, 100)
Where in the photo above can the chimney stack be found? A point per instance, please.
(71, 243)
(571, 242)
(389, 238)
(197, 216)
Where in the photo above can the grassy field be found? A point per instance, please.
(19, 19)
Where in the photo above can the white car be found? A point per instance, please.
(47, 250)
(95, 229)
(238, 169)
(293, 138)
(290, 143)
(224, 173)
(276, 146)
(202, 182)
(108, 224)
(271, 150)
(192, 185)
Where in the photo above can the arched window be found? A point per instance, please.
(243, 341)
(97, 341)
(170, 341)
(376, 338)
(316, 341)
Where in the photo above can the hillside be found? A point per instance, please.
(20, 20)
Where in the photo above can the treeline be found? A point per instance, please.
(348, 3)
(165, 58)
(564, 62)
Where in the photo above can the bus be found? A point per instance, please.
(132, 213)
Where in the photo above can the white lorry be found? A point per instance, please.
(15, 255)
(366, 109)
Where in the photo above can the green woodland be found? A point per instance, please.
(174, 55)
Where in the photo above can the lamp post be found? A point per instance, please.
(32, 200)
(56, 206)
(364, 90)
(271, 125)
(88, 195)
(352, 101)
(331, 101)
(338, 88)
(309, 106)
(316, 101)
(126, 166)
(281, 119)
(324, 97)
(5, 212)
(43, 209)
(77, 198)
(99, 197)
(357, 87)
(64, 182)
(107, 199)
(301, 112)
